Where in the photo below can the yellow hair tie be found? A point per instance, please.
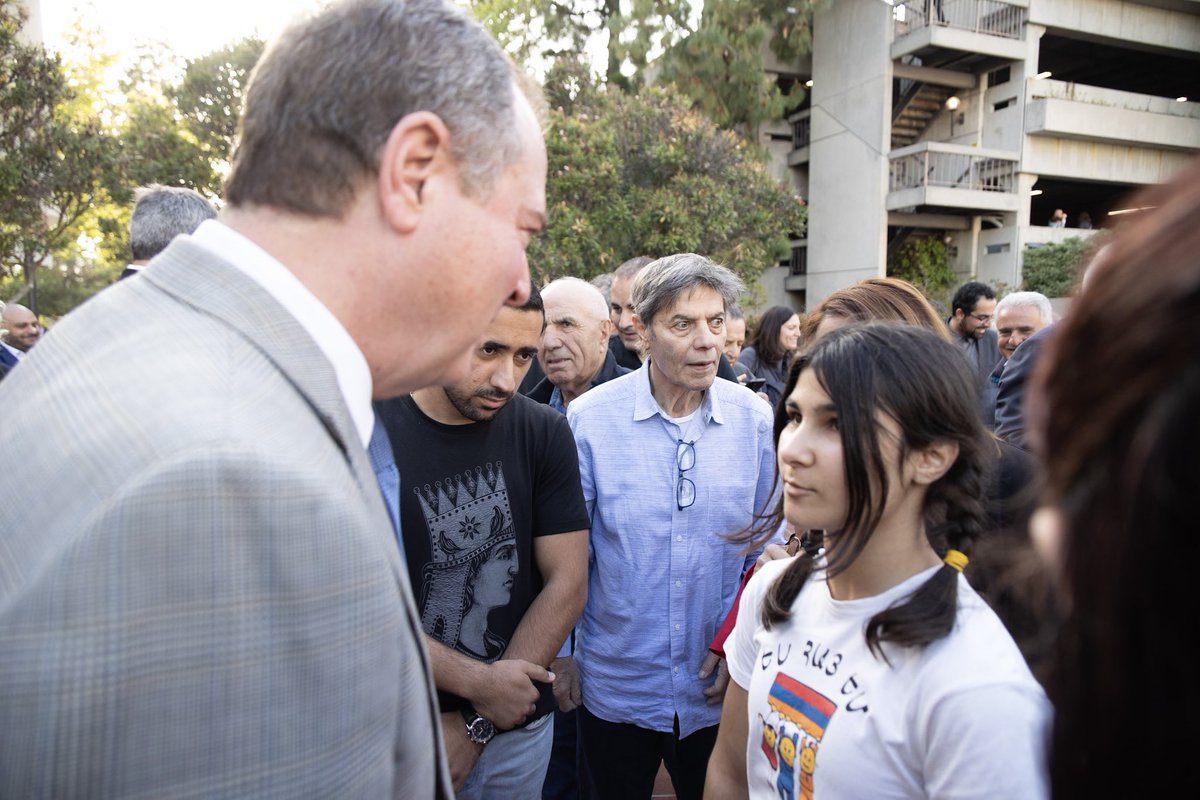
(956, 559)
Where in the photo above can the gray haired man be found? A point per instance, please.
(1019, 315)
(201, 592)
(662, 575)
(160, 214)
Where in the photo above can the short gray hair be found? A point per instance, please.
(661, 283)
(326, 95)
(603, 284)
(1031, 299)
(162, 213)
(632, 267)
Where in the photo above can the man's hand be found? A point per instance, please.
(567, 689)
(462, 752)
(508, 695)
(715, 693)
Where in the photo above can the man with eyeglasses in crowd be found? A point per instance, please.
(662, 574)
(972, 309)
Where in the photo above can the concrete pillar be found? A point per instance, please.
(851, 136)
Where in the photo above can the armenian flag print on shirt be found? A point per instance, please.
(792, 733)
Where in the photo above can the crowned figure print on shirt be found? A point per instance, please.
(792, 733)
(473, 559)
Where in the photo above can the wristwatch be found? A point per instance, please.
(480, 729)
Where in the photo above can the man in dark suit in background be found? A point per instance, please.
(21, 332)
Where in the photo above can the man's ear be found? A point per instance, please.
(607, 328)
(932, 461)
(416, 151)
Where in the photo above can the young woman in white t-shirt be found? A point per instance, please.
(867, 666)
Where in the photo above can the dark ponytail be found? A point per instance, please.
(954, 515)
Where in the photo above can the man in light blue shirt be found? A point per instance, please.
(671, 463)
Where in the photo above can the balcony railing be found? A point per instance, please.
(801, 129)
(990, 17)
(951, 167)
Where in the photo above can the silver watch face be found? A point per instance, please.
(480, 730)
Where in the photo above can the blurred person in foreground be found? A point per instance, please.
(201, 591)
(1113, 413)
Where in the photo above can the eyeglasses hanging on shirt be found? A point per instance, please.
(685, 459)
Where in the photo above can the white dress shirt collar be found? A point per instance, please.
(349, 364)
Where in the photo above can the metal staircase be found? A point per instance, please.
(915, 110)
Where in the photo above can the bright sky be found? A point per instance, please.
(190, 29)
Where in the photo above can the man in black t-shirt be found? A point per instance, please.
(495, 534)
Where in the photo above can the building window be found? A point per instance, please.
(999, 76)
(799, 264)
(993, 249)
(1004, 104)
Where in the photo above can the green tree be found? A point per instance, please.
(56, 158)
(722, 65)
(546, 30)
(924, 261)
(86, 140)
(646, 174)
(1054, 269)
(717, 58)
(209, 98)
(153, 146)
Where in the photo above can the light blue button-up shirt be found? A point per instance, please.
(661, 579)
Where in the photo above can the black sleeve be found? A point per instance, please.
(558, 505)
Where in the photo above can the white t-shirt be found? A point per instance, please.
(960, 718)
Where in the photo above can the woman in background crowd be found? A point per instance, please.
(872, 299)
(769, 353)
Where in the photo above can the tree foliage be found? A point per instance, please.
(722, 66)
(548, 30)
(648, 175)
(209, 98)
(924, 261)
(76, 144)
(717, 57)
(56, 158)
(1054, 269)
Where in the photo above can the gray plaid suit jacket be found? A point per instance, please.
(200, 591)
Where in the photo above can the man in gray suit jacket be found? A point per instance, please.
(200, 589)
